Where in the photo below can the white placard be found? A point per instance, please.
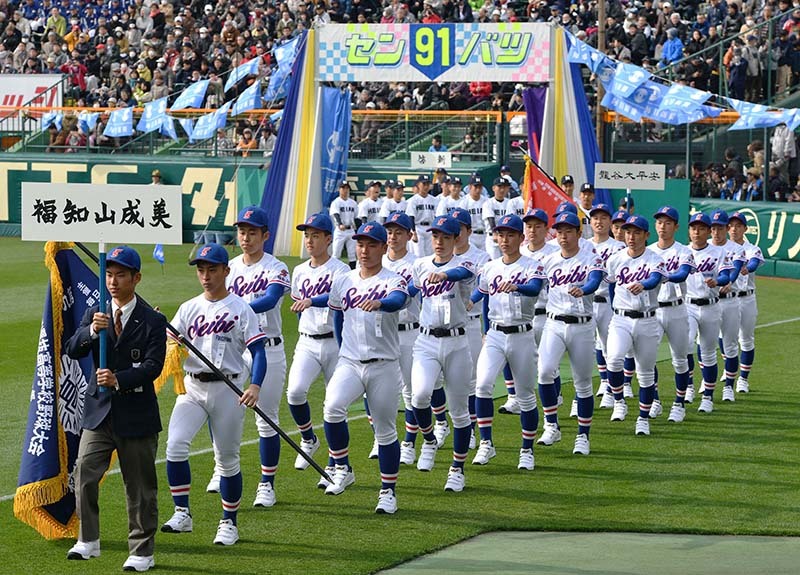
(113, 213)
(431, 160)
(629, 176)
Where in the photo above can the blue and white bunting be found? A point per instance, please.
(579, 52)
(120, 123)
(250, 99)
(192, 97)
(188, 126)
(684, 99)
(222, 116)
(168, 128)
(153, 116)
(285, 54)
(627, 79)
(88, 120)
(52, 118)
(249, 68)
(205, 127)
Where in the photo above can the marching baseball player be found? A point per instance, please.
(568, 185)
(421, 209)
(585, 201)
(395, 203)
(729, 303)
(451, 196)
(473, 204)
(493, 209)
(508, 287)
(629, 367)
(343, 211)
(635, 274)
(702, 292)
(745, 288)
(671, 312)
(537, 225)
(605, 246)
(365, 302)
(223, 326)
(370, 207)
(573, 275)
(316, 349)
(441, 347)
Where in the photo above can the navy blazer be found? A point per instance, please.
(136, 358)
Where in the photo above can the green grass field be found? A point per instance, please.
(733, 472)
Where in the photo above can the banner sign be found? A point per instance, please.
(629, 176)
(337, 117)
(112, 213)
(504, 52)
(431, 160)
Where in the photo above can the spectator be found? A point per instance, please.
(437, 145)
(737, 75)
(753, 188)
(673, 48)
(246, 143)
(783, 150)
(733, 21)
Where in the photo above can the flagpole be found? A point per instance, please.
(102, 306)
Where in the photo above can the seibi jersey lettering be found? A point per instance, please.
(443, 303)
(710, 261)
(478, 258)
(404, 267)
(539, 255)
(674, 257)
(604, 250)
(309, 282)
(250, 283)
(624, 271)
(510, 308)
(566, 273)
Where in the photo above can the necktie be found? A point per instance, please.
(118, 322)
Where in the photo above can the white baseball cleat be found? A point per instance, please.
(408, 454)
(324, 483)
(455, 480)
(510, 406)
(265, 495)
(387, 502)
(689, 398)
(627, 391)
(560, 400)
(656, 409)
(525, 459)
(581, 444)
(138, 563)
(83, 550)
(727, 394)
(309, 447)
(427, 456)
(180, 522)
(550, 434)
(642, 426)
(620, 410)
(213, 483)
(441, 429)
(702, 388)
(342, 479)
(706, 405)
(472, 439)
(485, 452)
(602, 388)
(608, 400)
(677, 413)
(227, 533)
(742, 385)
(373, 453)
(573, 411)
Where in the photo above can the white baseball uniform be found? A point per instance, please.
(475, 210)
(583, 244)
(516, 206)
(746, 291)
(369, 210)
(423, 211)
(493, 208)
(703, 307)
(729, 305)
(602, 302)
(447, 203)
(343, 239)
(540, 309)
(389, 205)
(586, 229)
(478, 258)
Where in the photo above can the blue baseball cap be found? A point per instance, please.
(447, 225)
(501, 181)
(619, 216)
(423, 179)
(536, 214)
(462, 216)
(456, 180)
(567, 180)
(211, 253)
(504, 168)
(719, 218)
(399, 219)
(475, 180)
(637, 222)
(700, 218)
(601, 208)
(737, 216)
(669, 212)
(587, 187)
(345, 184)
(126, 257)
(567, 207)
(566, 218)
(510, 222)
(252, 216)
(319, 221)
(626, 202)
(371, 231)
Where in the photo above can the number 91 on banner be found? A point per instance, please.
(432, 48)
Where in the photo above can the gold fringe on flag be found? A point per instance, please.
(173, 367)
(527, 184)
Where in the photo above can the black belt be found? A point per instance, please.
(728, 295)
(704, 301)
(745, 293)
(272, 341)
(442, 331)
(634, 314)
(207, 376)
(348, 227)
(327, 335)
(373, 360)
(481, 232)
(670, 303)
(424, 224)
(408, 326)
(570, 318)
(512, 328)
(600, 299)
(539, 311)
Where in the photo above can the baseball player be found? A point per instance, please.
(605, 246)
(421, 209)
(568, 185)
(222, 325)
(629, 366)
(702, 292)
(493, 209)
(365, 304)
(395, 203)
(473, 204)
(729, 303)
(516, 206)
(573, 275)
(508, 287)
(316, 349)
(343, 211)
(370, 207)
(451, 196)
(671, 312)
(585, 201)
(635, 274)
(440, 184)
(514, 192)
(441, 347)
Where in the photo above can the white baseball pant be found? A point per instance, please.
(477, 240)
(491, 247)
(729, 326)
(673, 321)
(704, 323)
(602, 318)
(642, 336)
(519, 351)
(269, 398)
(407, 339)
(577, 340)
(475, 341)
(748, 314)
(311, 357)
(424, 244)
(343, 240)
(448, 356)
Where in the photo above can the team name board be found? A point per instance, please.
(629, 176)
(89, 213)
(505, 52)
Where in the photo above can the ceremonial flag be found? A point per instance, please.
(336, 118)
(158, 253)
(45, 497)
(120, 123)
(153, 116)
(191, 97)
(542, 190)
(249, 68)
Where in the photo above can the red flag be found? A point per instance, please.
(542, 190)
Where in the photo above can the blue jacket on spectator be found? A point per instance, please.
(673, 48)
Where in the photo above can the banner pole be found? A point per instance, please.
(102, 306)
